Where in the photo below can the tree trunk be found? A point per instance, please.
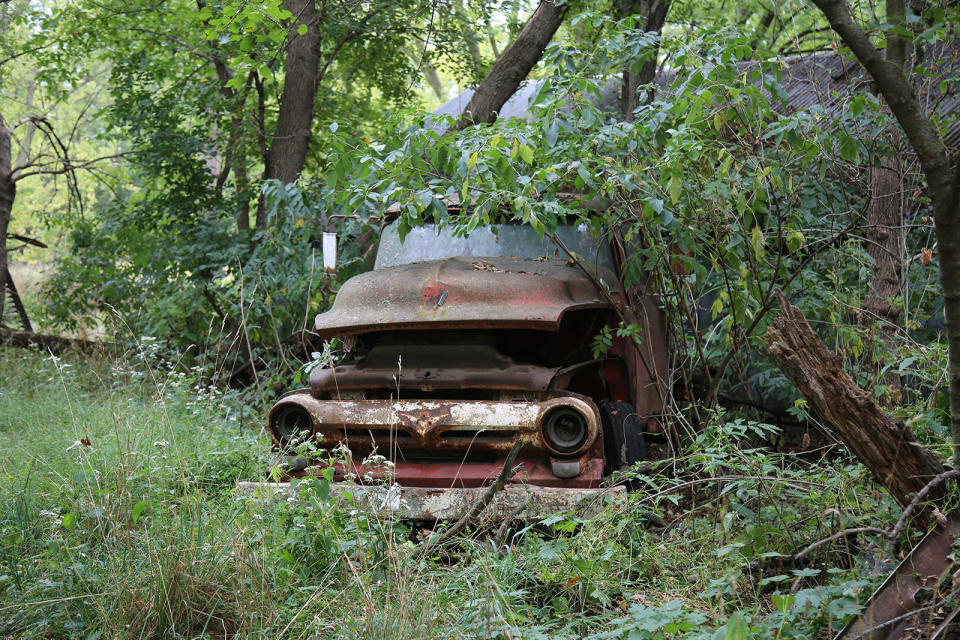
(288, 148)
(55, 344)
(886, 242)
(23, 155)
(428, 70)
(513, 65)
(8, 190)
(942, 180)
(653, 13)
(887, 448)
(430, 73)
(885, 245)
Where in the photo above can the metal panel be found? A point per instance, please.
(413, 503)
(894, 610)
(463, 293)
(435, 425)
(461, 474)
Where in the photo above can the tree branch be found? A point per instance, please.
(506, 475)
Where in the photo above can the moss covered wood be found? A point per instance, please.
(887, 448)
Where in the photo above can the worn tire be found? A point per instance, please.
(623, 442)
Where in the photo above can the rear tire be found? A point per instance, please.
(623, 442)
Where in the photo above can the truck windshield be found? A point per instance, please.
(491, 241)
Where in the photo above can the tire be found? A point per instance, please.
(623, 443)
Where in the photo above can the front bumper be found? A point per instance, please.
(426, 504)
(466, 475)
(449, 443)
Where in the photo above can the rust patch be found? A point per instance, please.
(438, 430)
(423, 420)
(898, 609)
(453, 293)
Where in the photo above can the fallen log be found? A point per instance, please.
(898, 462)
(55, 344)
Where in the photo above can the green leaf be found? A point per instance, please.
(585, 175)
(323, 490)
(737, 628)
(552, 133)
(849, 149)
(716, 308)
(794, 240)
(857, 105)
(526, 153)
(69, 521)
(302, 29)
(783, 602)
(137, 510)
(674, 188)
(757, 240)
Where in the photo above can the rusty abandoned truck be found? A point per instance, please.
(465, 345)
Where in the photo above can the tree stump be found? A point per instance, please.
(887, 448)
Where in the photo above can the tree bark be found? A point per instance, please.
(887, 448)
(430, 73)
(885, 230)
(8, 190)
(288, 148)
(428, 70)
(942, 180)
(897, 46)
(653, 13)
(23, 155)
(885, 245)
(513, 65)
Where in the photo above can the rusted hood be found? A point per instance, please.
(463, 293)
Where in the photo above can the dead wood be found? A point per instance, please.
(506, 475)
(54, 344)
(887, 448)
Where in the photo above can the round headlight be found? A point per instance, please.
(564, 429)
(291, 424)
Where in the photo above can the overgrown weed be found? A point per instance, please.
(119, 519)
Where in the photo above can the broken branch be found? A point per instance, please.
(887, 448)
(506, 475)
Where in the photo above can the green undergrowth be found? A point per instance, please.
(119, 519)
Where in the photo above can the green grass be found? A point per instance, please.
(141, 535)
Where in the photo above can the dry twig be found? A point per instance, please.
(506, 475)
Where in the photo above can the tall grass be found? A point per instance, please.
(119, 519)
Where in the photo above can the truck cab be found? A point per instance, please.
(464, 344)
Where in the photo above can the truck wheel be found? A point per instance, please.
(623, 442)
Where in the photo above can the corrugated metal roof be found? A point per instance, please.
(829, 79)
(824, 79)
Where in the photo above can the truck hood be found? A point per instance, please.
(464, 292)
